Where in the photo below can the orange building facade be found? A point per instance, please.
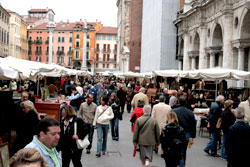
(23, 41)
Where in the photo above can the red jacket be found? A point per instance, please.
(138, 111)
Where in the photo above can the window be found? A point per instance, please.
(47, 58)
(87, 55)
(70, 48)
(114, 65)
(96, 65)
(87, 36)
(107, 65)
(77, 36)
(109, 37)
(62, 59)
(77, 55)
(104, 47)
(29, 58)
(104, 37)
(63, 48)
(103, 65)
(98, 37)
(97, 57)
(77, 44)
(62, 39)
(70, 39)
(107, 57)
(104, 57)
(38, 58)
(115, 37)
(58, 48)
(115, 57)
(88, 44)
(59, 39)
(70, 61)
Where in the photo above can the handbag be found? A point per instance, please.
(218, 125)
(81, 144)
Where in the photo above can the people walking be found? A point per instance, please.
(103, 115)
(129, 97)
(114, 103)
(187, 121)
(87, 113)
(140, 96)
(213, 116)
(137, 113)
(68, 136)
(173, 141)
(146, 135)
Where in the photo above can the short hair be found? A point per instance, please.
(90, 94)
(25, 92)
(172, 117)
(142, 90)
(183, 100)
(239, 113)
(220, 98)
(105, 99)
(147, 109)
(228, 103)
(162, 98)
(73, 88)
(27, 156)
(45, 123)
(29, 104)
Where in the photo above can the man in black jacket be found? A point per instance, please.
(187, 121)
(237, 142)
(213, 116)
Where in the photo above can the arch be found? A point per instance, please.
(244, 30)
(182, 46)
(217, 38)
(196, 42)
(212, 29)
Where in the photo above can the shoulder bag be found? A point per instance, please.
(81, 144)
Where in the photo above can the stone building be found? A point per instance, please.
(23, 40)
(14, 34)
(4, 32)
(214, 33)
(106, 49)
(123, 52)
(158, 50)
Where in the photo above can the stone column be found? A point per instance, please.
(228, 31)
(203, 42)
(84, 49)
(180, 65)
(241, 55)
(193, 63)
(186, 61)
(212, 60)
(50, 45)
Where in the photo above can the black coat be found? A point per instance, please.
(115, 105)
(238, 144)
(214, 114)
(66, 143)
(228, 120)
(170, 133)
(186, 120)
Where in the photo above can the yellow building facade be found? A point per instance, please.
(23, 41)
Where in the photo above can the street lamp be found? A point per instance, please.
(51, 26)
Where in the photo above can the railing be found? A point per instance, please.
(70, 52)
(38, 41)
(60, 53)
(106, 50)
(38, 52)
(97, 50)
(47, 41)
(29, 41)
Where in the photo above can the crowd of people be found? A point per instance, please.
(98, 103)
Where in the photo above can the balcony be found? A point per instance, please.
(70, 53)
(29, 52)
(29, 41)
(97, 50)
(77, 47)
(47, 41)
(60, 53)
(38, 52)
(107, 51)
(38, 41)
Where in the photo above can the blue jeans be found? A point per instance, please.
(102, 135)
(171, 164)
(182, 162)
(223, 151)
(114, 124)
(212, 145)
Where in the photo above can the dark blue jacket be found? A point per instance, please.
(214, 114)
(238, 144)
(186, 120)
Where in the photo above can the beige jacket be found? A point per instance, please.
(246, 106)
(139, 96)
(149, 134)
(87, 112)
(160, 112)
(104, 118)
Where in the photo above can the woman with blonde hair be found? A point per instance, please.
(68, 136)
(27, 127)
(28, 157)
(172, 141)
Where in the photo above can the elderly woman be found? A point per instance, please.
(146, 135)
(67, 143)
(28, 126)
(103, 115)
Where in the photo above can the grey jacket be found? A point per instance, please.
(149, 134)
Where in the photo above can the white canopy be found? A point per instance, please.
(7, 73)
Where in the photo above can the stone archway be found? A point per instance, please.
(216, 56)
(196, 52)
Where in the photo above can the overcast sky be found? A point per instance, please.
(74, 10)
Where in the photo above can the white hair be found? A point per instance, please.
(220, 98)
(147, 110)
(239, 113)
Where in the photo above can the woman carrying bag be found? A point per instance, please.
(68, 137)
(103, 115)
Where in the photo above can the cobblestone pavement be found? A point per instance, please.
(120, 152)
